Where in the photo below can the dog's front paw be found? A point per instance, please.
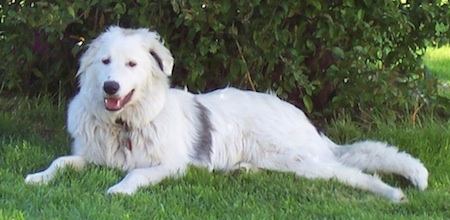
(37, 178)
(123, 189)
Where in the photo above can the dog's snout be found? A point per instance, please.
(111, 87)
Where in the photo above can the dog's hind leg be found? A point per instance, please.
(376, 156)
(356, 178)
(142, 177)
(328, 169)
(75, 162)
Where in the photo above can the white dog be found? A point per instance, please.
(126, 116)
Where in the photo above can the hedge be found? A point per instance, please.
(324, 56)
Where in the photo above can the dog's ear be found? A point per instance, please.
(160, 53)
(158, 60)
(86, 60)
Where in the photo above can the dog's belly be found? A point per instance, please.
(249, 127)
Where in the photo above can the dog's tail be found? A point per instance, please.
(373, 156)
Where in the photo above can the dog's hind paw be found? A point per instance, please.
(397, 196)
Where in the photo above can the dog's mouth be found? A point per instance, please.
(117, 103)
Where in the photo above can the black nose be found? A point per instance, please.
(111, 87)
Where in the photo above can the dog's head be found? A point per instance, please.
(121, 65)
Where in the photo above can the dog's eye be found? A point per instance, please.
(106, 61)
(131, 64)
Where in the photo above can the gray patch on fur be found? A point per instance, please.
(202, 145)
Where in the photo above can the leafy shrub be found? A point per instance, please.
(321, 55)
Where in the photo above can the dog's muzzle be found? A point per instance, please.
(112, 101)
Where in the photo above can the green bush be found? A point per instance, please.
(324, 56)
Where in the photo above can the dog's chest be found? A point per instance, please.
(125, 142)
(123, 148)
(137, 148)
(127, 137)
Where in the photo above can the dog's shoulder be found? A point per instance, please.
(76, 113)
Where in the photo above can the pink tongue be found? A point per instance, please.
(113, 104)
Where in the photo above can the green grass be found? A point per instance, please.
(438, 62)
(32, 134)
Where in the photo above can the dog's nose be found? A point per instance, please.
(111, 87)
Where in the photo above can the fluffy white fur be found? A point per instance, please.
(160, 131)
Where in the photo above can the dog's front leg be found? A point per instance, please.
(142, 177)
(76, 162)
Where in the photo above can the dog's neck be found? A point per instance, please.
(123, 124)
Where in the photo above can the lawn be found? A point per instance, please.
(33, 133)
(438, 62)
